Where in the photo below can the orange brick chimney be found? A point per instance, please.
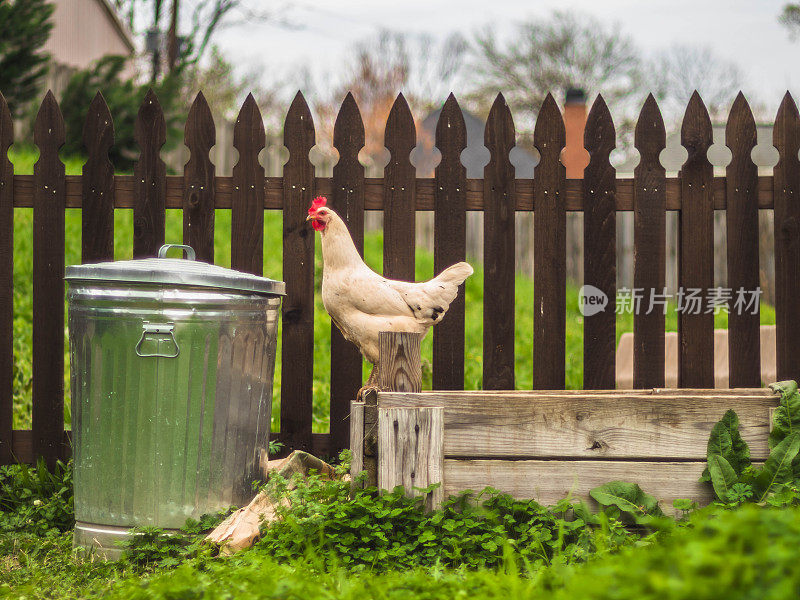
(574, 156)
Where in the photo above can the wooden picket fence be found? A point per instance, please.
(695, 193)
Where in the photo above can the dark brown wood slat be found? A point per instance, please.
(150, 176)
(498, 250)
(347, 200)
(549, 250)
(600, 248)
(198, 181)
(450, 242)
(374, 192)
(744, 344)
(649, 246)
(786, 138)
(48, 284)
(696, 249)
(6, 284)
(247, 201)
(399, 203)
(97, 216)
(297, 340)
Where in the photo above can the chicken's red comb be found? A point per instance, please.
(316, 203)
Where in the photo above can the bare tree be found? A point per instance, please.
(381, 67)
(674, 75)
(554, 54)
(191, 25)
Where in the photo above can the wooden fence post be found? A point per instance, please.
(411, 451)
(6, 284)
(401, 371)
(49, 203)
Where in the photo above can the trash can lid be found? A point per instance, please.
(175, 271)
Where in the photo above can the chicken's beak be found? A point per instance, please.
(310, 217)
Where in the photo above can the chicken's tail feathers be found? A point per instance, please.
(456, 274)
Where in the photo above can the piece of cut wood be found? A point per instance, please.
(548, 481)
(613, 426)
(242, 528)
(410, 451)
(400, 362)
(356, 438)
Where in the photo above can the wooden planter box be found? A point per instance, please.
(547, 445)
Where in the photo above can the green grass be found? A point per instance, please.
(744, 554)
(23, 159)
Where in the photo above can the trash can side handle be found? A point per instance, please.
(188, 250)
(157, 329)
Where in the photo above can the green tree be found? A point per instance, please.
(790, 18)
(124, 97)
(24, 29)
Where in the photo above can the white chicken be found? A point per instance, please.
(363, 303)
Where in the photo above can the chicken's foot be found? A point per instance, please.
(372, 384)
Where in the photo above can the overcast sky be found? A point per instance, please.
(746, 32)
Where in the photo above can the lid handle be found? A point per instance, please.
(188, 250)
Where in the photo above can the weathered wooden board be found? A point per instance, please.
(454, 395)
(633, 426)
(410, 451)
(374, 192)
(549, 481)
(356, 437)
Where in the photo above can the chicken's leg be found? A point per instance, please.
(372, 384)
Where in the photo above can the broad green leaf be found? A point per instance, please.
(628, 497)
(722, 476)
(786, 418)
(777, 471)
(726, 441)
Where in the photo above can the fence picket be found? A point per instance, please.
(786, 138)
(49, 205)
(450, 236)
(6, 284)
(696, 250)
(549, 250)
(247, 200)
(97, 213)
(498, 250)
(649, 246)
(744, 344)
(348, 201)
(297, 340)
(198, 180)
(399, 212)
(600, 247)
(149, 210)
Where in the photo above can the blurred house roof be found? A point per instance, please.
(475, 155)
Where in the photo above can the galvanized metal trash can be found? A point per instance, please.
(172, 366)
